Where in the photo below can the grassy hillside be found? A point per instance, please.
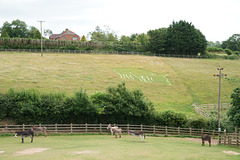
(171, 83)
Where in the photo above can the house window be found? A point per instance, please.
(74, 38)
(63, 38)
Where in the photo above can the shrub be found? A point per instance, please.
(228, 51)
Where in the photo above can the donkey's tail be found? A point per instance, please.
(144, 136)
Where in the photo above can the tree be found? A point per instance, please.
(157, 40)
(125, 39)
(123, 106)
(183, 38)
(84, 39)
(34, 33)
(142, 39)
(48, 32)
(17, 29)
(100, 35)
(6, 27)
(4, 34)
(233, 43)
(234, 111)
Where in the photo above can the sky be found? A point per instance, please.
(216, 19)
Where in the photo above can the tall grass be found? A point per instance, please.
(192, 80)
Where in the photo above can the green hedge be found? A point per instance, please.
(118, 105)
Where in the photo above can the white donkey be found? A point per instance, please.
(111, 128)
(137, 133)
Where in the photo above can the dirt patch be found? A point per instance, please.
(30, 151)
(2, 151)
(213, 141)
(231, 152)
(87, 152)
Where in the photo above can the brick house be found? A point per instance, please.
(65, 35)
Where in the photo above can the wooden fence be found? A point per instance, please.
(232, 139)
(102, 128)
(206, 109)
(98, 52)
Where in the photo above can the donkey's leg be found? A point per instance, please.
(209, 143)
(22, 139)
(202, 142)
(31, 139)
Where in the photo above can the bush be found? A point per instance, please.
(214, 49)
(228, 51)
(196, 123)
(236, 53)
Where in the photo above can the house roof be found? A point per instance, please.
(54, 36)
(67, 31)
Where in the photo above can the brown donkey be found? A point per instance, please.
(40, 129)
(206, 138)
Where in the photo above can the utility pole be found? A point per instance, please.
(41, 36)
(220, 75)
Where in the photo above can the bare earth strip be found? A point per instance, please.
(30, 151)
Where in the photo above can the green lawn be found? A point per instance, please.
(171, 83)
(104, 147)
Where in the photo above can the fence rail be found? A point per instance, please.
(102, 128)
(98, 52)
(232, 139)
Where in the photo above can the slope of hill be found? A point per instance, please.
(171, 83)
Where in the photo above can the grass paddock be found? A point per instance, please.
(104, 147)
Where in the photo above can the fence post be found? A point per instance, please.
(141, 127)
(23, 127)
(128, 128)
(154, 130)
(190, 130)
(238, 138)
(100, 128)
(219, 139)
(229, 140)
(6, 128)
(166, 132)
(86, 128)
(178, 130)
(225, 137)
(71, 128)
(55, 127)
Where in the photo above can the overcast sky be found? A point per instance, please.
(216, 19)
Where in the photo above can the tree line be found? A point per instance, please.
(117, 105)
(180, 38)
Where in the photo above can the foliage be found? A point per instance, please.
(84, 39)
(106, 35)
(126, 106)
(184, 39)
(232, 43)
(234, 111)
(170, 118)
(214, 49)
(196, 123)
(228, 51)
(34, 33)
(157, 40)
(4, 34)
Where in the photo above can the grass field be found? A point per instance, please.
(171, 83)
(104, 147)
